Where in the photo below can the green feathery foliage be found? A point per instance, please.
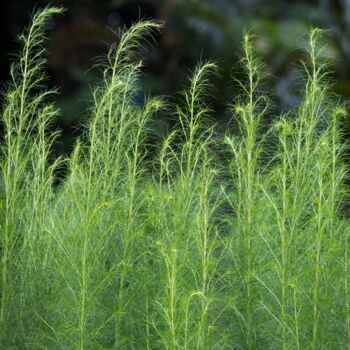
(27, 180)
(185, 248)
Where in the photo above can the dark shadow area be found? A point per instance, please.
(193, 31)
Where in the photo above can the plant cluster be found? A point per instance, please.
(215, 242)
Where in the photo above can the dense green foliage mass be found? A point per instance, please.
(214, 242)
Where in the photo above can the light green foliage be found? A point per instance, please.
(27, 180)
(234, 242)
(245, 198)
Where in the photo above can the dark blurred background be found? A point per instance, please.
(194, 29)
